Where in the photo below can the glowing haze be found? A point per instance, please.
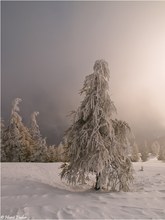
(49, 47)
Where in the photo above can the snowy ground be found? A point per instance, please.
(36, 191)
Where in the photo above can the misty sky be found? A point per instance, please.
(49, 47)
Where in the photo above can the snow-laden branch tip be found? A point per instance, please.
(15, 104)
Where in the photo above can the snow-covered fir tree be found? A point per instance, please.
(42, 151)
(52, 155)
(161, 155)
(96, 142)
(40, 148)
(135, 153)
(62, 150)
(155, 148)
(3, 153)
(144, 152)
(17, 139)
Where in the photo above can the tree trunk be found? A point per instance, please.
(97, 185)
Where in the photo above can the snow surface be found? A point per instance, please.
(36, 191)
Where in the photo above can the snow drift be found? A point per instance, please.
(36, 191)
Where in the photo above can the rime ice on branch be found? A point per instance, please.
(95, 142)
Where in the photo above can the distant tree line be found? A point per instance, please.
(144, 151)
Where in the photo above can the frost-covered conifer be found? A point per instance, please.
(52, 155)
(161, 155)
(144, 152)
(96, 142)
(135, 153)
(18, 142)
(40, 148)
(155, 148)
(3, 153)
(62, 150)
